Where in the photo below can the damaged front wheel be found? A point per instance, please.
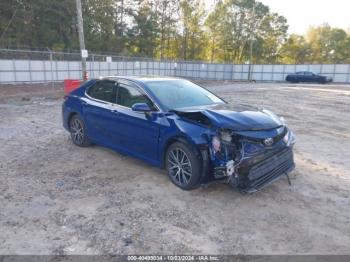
(183, 166)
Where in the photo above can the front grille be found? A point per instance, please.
(271, 168)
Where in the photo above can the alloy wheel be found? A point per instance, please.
(179, 166)
(77, 131)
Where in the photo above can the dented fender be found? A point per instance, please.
(230, 152)
(182, 130)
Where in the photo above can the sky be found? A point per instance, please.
(301, 14)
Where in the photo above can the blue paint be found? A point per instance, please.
(146, 135)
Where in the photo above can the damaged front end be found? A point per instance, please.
(248, 149)
(250, 160)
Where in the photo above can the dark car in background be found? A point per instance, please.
(306, 76)
(182, 127)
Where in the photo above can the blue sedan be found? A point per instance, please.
(177, 125)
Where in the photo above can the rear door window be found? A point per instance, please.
(103, 90)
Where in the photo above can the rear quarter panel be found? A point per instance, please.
(73, 104)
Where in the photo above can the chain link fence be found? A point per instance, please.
(27, 66)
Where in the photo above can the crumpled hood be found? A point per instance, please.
(238, 118)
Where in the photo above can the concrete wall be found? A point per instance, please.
(12, 71)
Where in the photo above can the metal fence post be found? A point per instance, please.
(51, 67)
(117, 58)
(56, 70)
(68, 68)
(232, 71)
(242, 67)
(14, 69)
(44, 66)
(147, 66)
(92, 70)
(123, 66)
(109, 67)
(99, 68)
(30, 70)
(215, 70)
(273, 72)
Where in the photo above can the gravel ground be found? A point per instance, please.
(57, 198)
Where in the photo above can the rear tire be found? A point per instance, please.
(183, 166)
(78, 131)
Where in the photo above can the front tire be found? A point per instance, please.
(183, 166)
(78, 132)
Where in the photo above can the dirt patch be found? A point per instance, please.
(26, 92)
(57, 198)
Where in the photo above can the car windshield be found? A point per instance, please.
(180, 93)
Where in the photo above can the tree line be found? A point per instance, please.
(170, 29)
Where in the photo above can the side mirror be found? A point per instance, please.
(141, 107)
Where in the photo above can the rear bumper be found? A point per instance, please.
(268, 171)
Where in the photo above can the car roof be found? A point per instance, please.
(141, 79)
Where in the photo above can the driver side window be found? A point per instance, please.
(128, 95)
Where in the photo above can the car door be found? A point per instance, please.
(309, 77)
(299, 76)
(99, 111)
(315, 78)
(138, 131)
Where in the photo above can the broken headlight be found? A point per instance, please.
(289, 138)
(216, 144)
(252, 148)
(223, 153)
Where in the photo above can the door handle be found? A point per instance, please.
(114, 111)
